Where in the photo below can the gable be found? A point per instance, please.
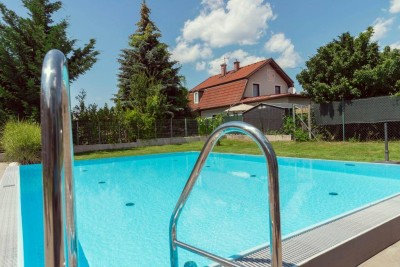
(243, 73)
(229, 89)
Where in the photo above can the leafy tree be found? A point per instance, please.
(146, 105)
(351, 67)
(147, 55)
(23, 45)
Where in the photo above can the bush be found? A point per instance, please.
(208, 125)
(21, 142)
(289, 127)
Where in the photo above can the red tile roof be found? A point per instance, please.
(220, 95)
(243, 72)
(221, 91)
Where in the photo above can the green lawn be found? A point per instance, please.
(365, 151)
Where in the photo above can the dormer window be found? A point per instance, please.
(196, 97)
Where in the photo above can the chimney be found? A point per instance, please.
(223, 69)
(236, 65)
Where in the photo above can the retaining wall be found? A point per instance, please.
(139, 143)
(271, 138)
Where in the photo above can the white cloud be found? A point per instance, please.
(395, 45)
(234, 22)
(214, 66)
(278, 43)
(381, 27)
(186, 53)
(394, 6)
(201, 66)
(212, 4)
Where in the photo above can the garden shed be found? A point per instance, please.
(268, 117)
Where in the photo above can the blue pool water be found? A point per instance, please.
(124, 204)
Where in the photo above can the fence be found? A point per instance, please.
(359, 120)
(112, 132)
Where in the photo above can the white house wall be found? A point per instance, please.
(267, 78)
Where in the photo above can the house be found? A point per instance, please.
(243, 88)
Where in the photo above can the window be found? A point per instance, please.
(256, 89)
(277, 89)
(196, 97)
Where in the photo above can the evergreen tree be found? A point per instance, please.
(23, 45)
(147, 55)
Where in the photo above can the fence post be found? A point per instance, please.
(155, 129)
(309, 122)
(137, 125)
(119, 132)
(386, 142)
(294, 121)
(99, 134)
(343, 121)
(77, 132)
(185, 128)
(171, 126)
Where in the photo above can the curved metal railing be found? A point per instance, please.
(273, 188)
(57, 152)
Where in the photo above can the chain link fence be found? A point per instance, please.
(368, 119)
(112, 132)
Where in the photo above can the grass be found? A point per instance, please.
(353, 151)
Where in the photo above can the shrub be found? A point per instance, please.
(21, 142)
(208, 125)
(290, 127)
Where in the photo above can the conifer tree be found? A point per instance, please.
(23, 45)
(148, 55)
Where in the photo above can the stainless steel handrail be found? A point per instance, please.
(57, 152)
(273, 188)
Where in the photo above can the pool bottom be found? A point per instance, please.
(96, 235)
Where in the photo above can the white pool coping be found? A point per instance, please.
(11, 249)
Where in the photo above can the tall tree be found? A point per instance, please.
(351, 67)
(23, 45)
(148, 55)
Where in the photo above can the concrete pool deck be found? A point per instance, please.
(8, 227)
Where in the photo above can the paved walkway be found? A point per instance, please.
(387, 257)
(3, 167)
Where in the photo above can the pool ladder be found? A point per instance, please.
(273, 188)
(60, 241)
(57, 153)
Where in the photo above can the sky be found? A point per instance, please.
(201, 34)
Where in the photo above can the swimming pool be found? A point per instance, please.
(124, 204)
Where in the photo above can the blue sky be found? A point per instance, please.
(201, 33)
